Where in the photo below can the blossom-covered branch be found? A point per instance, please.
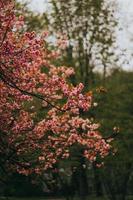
(28, 80)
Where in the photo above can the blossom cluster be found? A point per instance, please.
(28, 80)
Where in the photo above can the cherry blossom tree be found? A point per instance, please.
(28, 78)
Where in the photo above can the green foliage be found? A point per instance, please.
(115, 107)
(115, 110)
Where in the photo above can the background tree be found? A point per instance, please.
(90, 29)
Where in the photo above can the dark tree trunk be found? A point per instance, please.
(97, 182)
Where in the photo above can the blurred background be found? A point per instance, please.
(99, 36)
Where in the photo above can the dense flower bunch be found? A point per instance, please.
(28, 77)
